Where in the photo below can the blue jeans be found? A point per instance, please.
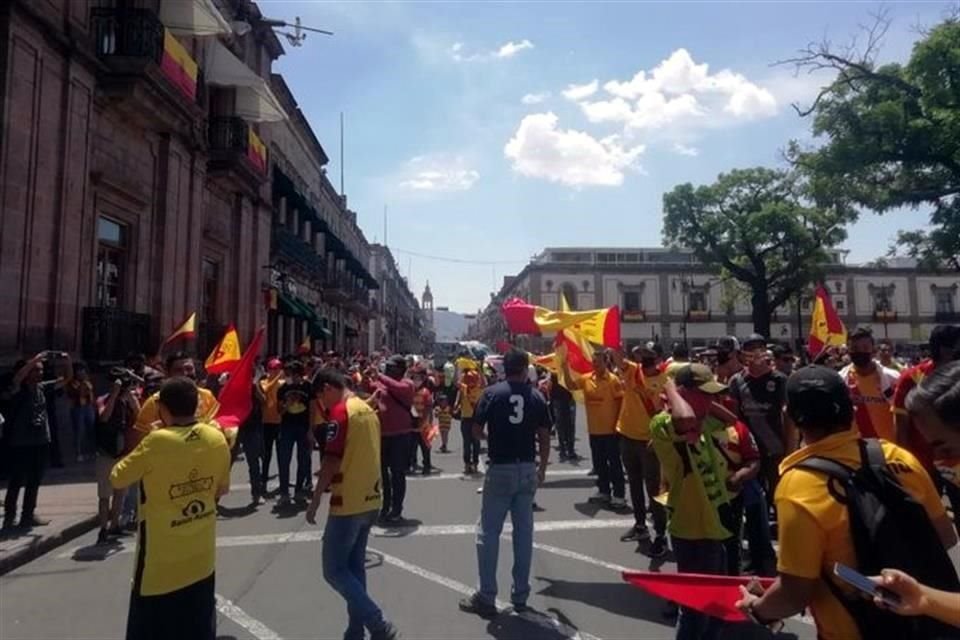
(83, 418)
(507, 488)
(699, 556)
(344, 568)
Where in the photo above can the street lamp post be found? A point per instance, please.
(684, 290)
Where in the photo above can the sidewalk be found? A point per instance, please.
(68, 499)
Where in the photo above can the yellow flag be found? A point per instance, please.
(226, 354)
(187, 329)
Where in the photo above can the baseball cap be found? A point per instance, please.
(754, 340)
(650, 348)
(818, 394)
(698, 376)
(728, 343)
(274, 364)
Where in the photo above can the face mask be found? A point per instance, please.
(860, 359)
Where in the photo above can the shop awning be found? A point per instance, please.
(255, 101)
(193, 18)
(317, 330)
(306, 311)
(286, 306)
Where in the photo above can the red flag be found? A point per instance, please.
(600, 326)
(708, 594)
(236, 397)
(502, 346)
(428, 433)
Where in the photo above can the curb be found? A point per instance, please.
(47, 543)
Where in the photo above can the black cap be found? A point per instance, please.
(944, 335)
(649, 348)
(397, 362)
(754, 340)
(728, 344)
(818, 395)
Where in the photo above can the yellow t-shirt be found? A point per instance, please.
(180, 470)
(601, 395)
(469, 397)
(353, 435)
(815, 528)
(873, 396)
(271, 407)
(640, 394)
(149, 417)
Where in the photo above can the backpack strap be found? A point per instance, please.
(826, 466)
(871, 454)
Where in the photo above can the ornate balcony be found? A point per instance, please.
(287, 248)
(109, 334)
(884, 316)
(237, 150)
(633, 316)
(146, 67)
(699, 316)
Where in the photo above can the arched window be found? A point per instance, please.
(569, 292)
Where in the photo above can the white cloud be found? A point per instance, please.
(535, 98)
(438, 173)
(678, 91)
(513, 48)
(459, 52)
(581, 91)
(542, 150)
(684, 150)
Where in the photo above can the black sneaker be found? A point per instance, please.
(386, 632)
(283, 500)
(103, 537)
(635, 534)
(659, 547)
(477, 605)
(592, 472)
(521, 607)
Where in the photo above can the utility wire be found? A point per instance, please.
(456, 260)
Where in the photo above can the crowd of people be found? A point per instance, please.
(725, 451)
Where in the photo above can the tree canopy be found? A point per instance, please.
(892, 134)
(761, 227)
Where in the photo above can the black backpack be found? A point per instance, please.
(890, 530)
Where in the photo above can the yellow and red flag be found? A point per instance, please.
(236, 397)
(826, 327)
(226, 354)
(600, 326)
(256, 151)
(187, 329)
(306, 346)
(178, 66)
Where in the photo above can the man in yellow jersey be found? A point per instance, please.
(182, 468)
(351, 469)
(871, 387)
(178, 364)
(603, 394)
(270, 405)
(815, 531)
(643, 383)
(471, 389)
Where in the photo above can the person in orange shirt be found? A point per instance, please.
(603, 396)
(270, 407)
(466, 403)
(871, 387)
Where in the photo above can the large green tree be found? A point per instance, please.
(761, 227)
(891, 133)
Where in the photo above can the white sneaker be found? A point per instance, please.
(618, 503)
(599, 497)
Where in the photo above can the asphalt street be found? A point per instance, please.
(270, 587)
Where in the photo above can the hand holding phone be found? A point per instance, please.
(865, 585)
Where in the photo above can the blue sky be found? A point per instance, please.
(491, 130)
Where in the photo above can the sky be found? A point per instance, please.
(492, 130)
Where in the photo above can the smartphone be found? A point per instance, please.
(865, 585)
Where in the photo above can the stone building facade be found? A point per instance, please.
(146, 170)
(666, 295)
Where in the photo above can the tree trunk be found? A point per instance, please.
(761, 311)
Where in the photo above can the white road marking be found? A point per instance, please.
(231, 611)
(541, 620)
(378, 532)
(558, 473)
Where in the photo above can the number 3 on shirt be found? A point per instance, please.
(516, 402)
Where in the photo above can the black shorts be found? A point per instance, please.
(189, 613)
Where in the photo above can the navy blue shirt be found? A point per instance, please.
(512, 412)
